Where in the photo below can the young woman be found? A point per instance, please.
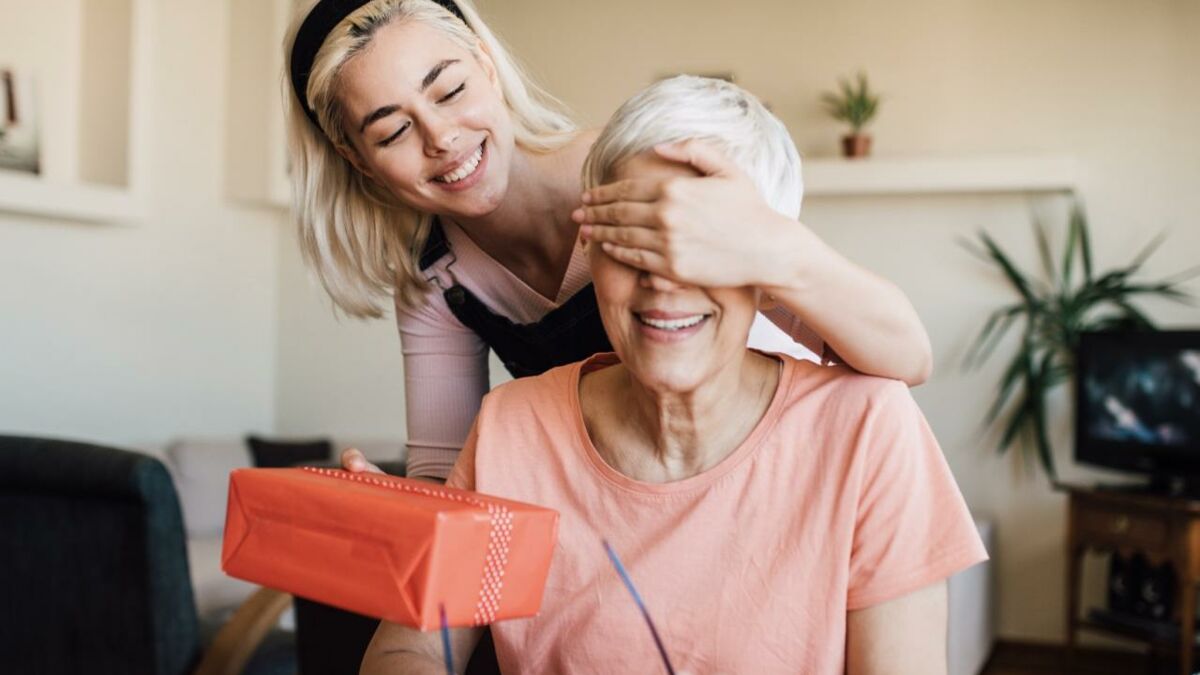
(429, 171)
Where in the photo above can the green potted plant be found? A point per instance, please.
(856, 105)
(1054, 311)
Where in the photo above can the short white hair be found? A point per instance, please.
(689, 107)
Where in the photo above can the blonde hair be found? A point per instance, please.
(363, 243)
(687, 107)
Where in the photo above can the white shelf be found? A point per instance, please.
(915, 176)
(92, 166)
(27, 194)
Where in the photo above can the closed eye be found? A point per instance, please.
(445, 99)
(388, 141)
(461, 88)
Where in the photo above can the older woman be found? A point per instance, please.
(778, 516)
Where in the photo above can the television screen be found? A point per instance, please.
(1138, 400)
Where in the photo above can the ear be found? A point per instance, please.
(484, 57)
(351, 155)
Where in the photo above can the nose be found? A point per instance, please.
(656, 282)
(441, 134)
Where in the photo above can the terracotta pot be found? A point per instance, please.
(856, 145)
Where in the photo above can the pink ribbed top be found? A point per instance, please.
(446, 363)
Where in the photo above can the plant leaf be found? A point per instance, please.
(1134, 314)
(1113, 322)
(1014, 275)
(1068, 263)
(1015, 423)
(1079, 220)
(1037, 403)
(1021, 416)
(847, 89)
(1005, 318)
(1186, 275)
(975, 249)
(1147, 251)
(1043, 245)
(989, 325)
(1012, 375)
(1164, 290)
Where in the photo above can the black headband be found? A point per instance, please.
(320, 22)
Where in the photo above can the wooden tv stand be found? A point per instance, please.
(1164, 529)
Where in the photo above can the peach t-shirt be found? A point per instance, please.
(839, 499)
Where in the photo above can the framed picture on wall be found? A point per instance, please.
(19, 149)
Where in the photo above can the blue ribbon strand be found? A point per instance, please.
(662, 651)
(446, 640)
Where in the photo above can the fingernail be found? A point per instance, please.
(586, 198)
(585, 231)
(577, 215)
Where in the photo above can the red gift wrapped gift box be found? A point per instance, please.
(388, 547)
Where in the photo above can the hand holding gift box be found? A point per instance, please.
(388, 547)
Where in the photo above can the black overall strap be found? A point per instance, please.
(568, 333)
(436, 246)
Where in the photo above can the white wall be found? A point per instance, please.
(133, 333)
(1110, 83)
(334, 376)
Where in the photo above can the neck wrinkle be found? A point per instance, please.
(691, 432)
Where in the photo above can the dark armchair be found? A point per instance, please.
(94, 572)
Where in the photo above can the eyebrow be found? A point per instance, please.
(386, 110)
(434, 72)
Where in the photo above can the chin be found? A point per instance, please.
(486, 199)
(676, 376)
(493, 197)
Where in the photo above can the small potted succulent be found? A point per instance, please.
(856, 105)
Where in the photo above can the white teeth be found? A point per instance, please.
(465, 169)
(672, 324)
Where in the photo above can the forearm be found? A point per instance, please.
(397, 650)
(400, 663)
(866, 319)
(904, 636)
(431, 464)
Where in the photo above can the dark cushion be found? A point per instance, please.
(271, 453)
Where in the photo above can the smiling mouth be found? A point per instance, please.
(675, 324)
(464, 170)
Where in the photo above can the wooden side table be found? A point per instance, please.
(1164, 529)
